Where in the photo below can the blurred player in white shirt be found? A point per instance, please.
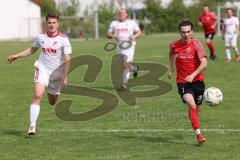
(125, 31)
(230, 33)
(51, 68)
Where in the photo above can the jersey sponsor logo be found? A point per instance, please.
(188, 50)
(122, 30)
(49, 50)
(184, 56)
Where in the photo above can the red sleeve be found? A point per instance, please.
(199, 49)
(172, 46)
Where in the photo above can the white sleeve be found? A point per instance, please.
(36, 43)
(67, 49)
(111, 28)
(135, 26)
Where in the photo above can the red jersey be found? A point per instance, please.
(207, 20)
(188, 57)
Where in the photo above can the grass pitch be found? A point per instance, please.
(155, 128)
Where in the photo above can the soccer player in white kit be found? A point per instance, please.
(125, 31)
(230, 33)
(51, 68)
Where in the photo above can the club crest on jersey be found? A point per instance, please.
(42, 42)
(187, 50)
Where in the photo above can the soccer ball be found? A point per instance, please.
(213, 96)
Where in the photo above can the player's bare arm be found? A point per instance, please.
(202, 66)
(171, 68)
(199, 23)
(111, 35)
(215, 23)
(66, 69)
(135, 35)
(24, 53)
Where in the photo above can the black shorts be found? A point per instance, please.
(209, 36)
(141, 26)
(196, 89)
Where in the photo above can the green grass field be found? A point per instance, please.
(155, 128)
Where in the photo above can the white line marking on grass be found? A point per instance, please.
(137, 130)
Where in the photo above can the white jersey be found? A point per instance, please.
(53, 50)
(123, 30)
(231, 24)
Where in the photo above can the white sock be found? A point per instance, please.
(197, 131)
(228, 53)
(34, 112)
(126, 76)
(236, 51)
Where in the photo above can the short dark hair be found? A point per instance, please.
(205, 5)
(229, 9)
(52, 15)
(185, 23)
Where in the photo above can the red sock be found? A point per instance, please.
(193, 116)
(211, 48)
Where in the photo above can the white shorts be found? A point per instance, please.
(52, 83)
(230, 39)
(127, 51)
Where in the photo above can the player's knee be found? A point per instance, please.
(208, 41)
(125, 66)
(190, 101)
(52, 102)
(192, 105)
(37, 97)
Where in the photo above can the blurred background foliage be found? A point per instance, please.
(156, 18)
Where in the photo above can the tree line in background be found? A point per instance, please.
(167, 19)
(155, 18)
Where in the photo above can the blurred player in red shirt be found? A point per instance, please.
(208, 20)
(188, 57)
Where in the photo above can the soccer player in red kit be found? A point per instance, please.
(208, 20)
(188, 57)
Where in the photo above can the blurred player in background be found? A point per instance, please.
(208, 20)
(125, 30)
(50, 70)
(230, 34)
(188, 57)
(142, 26)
